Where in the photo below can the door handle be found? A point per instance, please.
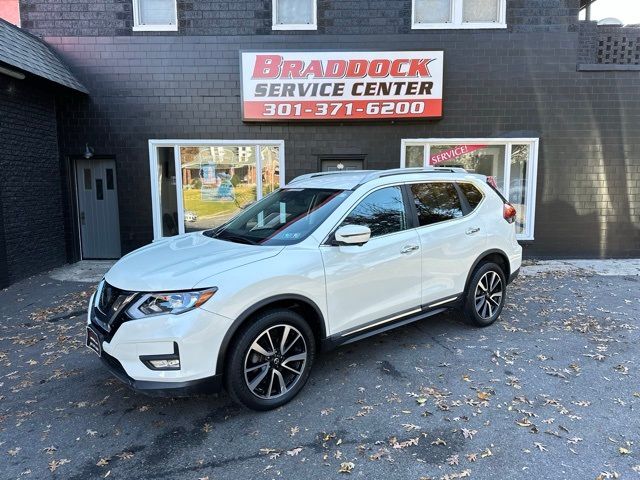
(409, 248)
(472, 230)
(82, 218)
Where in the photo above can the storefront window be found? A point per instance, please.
(270, 157)
(485, 159)
(415, 156)
(214, 182)
(511, 163)
(167, 191)
(520, 155)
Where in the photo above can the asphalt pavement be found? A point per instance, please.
(551, 391)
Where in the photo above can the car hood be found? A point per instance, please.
(180, 263)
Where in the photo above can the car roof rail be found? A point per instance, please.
(307, 176)
(369, 175)
(404, 171)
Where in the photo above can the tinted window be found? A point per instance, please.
(474, 196)
(382, 211)
(436, 202)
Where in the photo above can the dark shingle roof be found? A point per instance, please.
(30, 54)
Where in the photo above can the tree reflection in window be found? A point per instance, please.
(382, 211)
(436, 202)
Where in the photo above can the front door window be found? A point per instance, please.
(383, 211)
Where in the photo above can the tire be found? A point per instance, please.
(253, 357)
(480, 308)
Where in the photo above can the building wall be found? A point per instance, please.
(30, 184)
(521, 81)
(253, 17)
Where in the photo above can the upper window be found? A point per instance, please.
(382, 211)
(459, 14)
(436, 202)
(155, 15)
(294, 15)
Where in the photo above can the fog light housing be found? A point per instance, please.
(170, 361)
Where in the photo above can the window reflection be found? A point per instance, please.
(436, 202)
(382, 211)
(217, 181)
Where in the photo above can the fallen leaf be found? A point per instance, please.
(346, 467)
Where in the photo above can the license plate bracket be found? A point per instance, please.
(93, 341)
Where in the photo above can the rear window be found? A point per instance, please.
(436, 202)
(472, 194)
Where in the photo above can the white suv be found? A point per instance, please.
(329, 259)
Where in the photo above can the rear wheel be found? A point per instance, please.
(270, 360)
(485, 294)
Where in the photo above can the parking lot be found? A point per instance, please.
(552, 391)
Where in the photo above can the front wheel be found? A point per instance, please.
(485, 294)
(270, 360)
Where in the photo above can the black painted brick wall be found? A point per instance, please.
(30, 178)
(253, 17)
(521, 81)
(496, 84)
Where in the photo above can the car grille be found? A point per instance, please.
(109, 308)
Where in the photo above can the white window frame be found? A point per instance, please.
(156, 207)
(456, 18)
(293, 26)
(532, 167)
(139, 27)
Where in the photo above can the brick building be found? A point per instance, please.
(545, 103)
(32, 229)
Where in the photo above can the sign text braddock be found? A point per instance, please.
(341, 85)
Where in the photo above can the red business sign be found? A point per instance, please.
(289, 86)
(453, 153)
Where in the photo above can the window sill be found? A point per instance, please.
(155, 28)
(607, 67)
(457, 26)
(295, 27)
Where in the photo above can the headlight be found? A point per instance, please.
(170, 302)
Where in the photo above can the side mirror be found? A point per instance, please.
(353, 235)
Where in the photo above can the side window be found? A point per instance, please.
(436, 202)
(382, 211)
(472, 194)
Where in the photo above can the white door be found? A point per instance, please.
(381, 278)
(450, 240)
(99, 220)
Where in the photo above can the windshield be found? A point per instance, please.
(285, 217)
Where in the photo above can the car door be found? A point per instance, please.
(381, 278)
(452, 235)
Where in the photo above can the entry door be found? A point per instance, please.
(97, 191)
(381, 279)
(336, 165)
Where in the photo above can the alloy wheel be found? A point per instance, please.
(488, 294)
(275, 361)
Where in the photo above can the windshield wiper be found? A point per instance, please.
(223, 235)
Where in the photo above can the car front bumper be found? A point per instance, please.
(198, 336)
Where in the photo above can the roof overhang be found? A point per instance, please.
(22, 53)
